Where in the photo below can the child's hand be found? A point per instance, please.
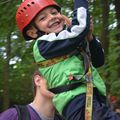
(67, 20)
(89, 36)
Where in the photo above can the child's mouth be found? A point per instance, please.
(54, 23)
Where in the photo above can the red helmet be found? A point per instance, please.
(29, 9)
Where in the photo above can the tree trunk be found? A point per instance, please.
(6, 100)
(117, 9)
(105, 34)
(104, 29)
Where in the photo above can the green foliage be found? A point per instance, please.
(7, 19)
(115, 88)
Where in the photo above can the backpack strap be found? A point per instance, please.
(58, 116)
(23, 113)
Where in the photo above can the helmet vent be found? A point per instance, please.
(32, 3)
(28, 5)
(25, 8)
(19, 13)
(21, 10)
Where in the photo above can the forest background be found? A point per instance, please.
(16, 57)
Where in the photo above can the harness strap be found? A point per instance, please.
(89, 85)
(55, 60)
(65, 88)
(89, 96)
(89, 91)
(52, 61)
(86, 61)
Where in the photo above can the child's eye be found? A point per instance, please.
(41, 18)
(54, 12)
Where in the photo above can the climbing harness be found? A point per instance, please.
(84, 51)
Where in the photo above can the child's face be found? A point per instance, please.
(50, 20)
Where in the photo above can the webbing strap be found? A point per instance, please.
(65, 88)
(89, 91)
(89, 96)
(86, 61)
(55, 60)
(52, 61)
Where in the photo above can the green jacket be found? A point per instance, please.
(58, 74)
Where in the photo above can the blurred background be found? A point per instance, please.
(16, 57)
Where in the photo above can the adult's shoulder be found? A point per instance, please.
(9, 114)
(33, 114)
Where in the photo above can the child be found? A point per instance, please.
(54, 52)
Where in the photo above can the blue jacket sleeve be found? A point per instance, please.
(97, 52)
(81, 3)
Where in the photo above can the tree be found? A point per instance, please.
(6, 39)
(116, 87)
